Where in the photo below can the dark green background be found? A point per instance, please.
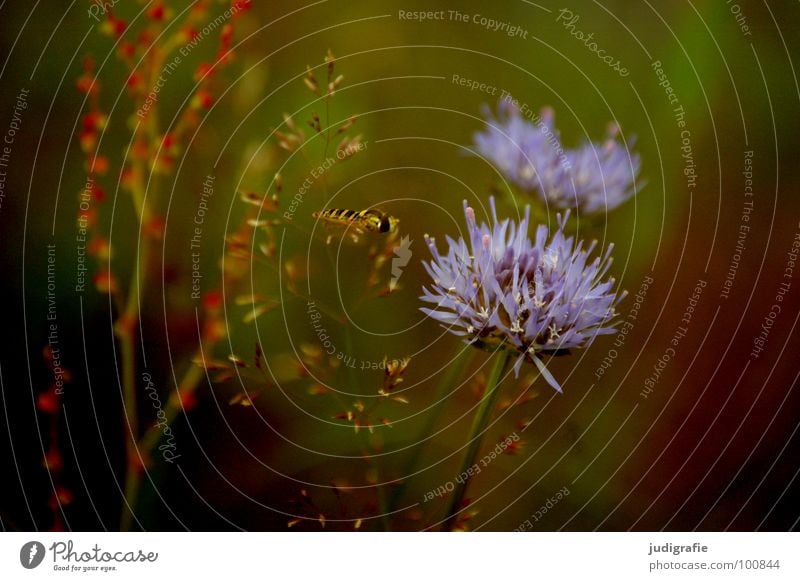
(714, 447)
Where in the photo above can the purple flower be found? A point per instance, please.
(593, 177)
(500, 290)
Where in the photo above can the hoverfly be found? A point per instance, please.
(359, 221)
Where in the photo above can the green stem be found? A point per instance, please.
(128, 348)
(126, 329)
(454, 371)
(479, 425)
(187, 386)
(127, 325)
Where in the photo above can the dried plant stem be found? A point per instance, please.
(479, 425)
(326, 191)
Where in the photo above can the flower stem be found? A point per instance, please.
(126, 330)
(443, 389)
(132, 462)
(187, 386)
(128, 322)
(148, 441)
(479, 425)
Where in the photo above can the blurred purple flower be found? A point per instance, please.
(499, 289)
(593, 177)
(528, 154)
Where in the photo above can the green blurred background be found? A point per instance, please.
(713, 447)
